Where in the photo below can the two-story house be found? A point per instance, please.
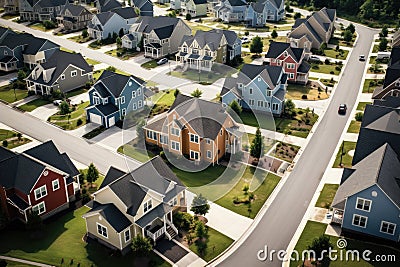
(62, 71)
(11, 7)
(74, 18)
(198, 129)
(205, 48)
(196, 8)
(161, 35)
(145, 7)
(40, 180)
(260, 12)
(258, 88)
(19, 50)
(175, 4)
(313, 31)
(137, 203)
(105, 24)
(391, 83)
(231, 10)
(40, 10)
(113, 96)
(106, 5)
(291, 59)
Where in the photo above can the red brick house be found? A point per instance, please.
(40, 179)
(291, 59)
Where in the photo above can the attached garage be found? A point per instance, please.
(95, 118)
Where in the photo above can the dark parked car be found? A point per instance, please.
(342, 109)
(361, 58)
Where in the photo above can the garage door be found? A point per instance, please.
(111, 121)
(95, 118)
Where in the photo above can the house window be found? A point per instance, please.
(63, 77)
(122, 99)
(360, 221)
(275, 106)
(96, 100)
(40, 192)
(175, 145)
(251, 102)
(134, 106)
(260, 103)
(147, 205)
(123, 111)
(56, 185)
(208, 141)
(194, 138)
(152, 135)
(5, 53)
(269, 92)
(164, 139)
(250, 91)
(194, 155)
(140, 103)
(105, 101)
(240, 85)
(209, 154)
(267, 104)
(39, 208)
(290, 65)
(363, 204)
(259, 79)
(139, 91)
(133, 94)
(102, 230)
(74, 73)
(175, 131)
(291, 75)
(388, 228)
(127, 235)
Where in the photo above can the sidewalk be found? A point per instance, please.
(25, 261)
(25, 100)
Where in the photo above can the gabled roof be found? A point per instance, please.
(107, 5)
(164, 32)
(211, 38)
(277, 48)
(104, 17)
(126, 12)
(112, 175)
(147, 24)
(115, 82)
(237, 2)
(381, 167)
(111, 214)
(75, 10)
(50, 3)
(157, 212)
(200, 2)
(270, 74)
(48, 153)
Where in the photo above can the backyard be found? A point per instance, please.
(12, 139)
(73, 120)
(195, 179)
(7, 94)
(162, 101)
(305, 92)
(326, 197)
(49, 245)
(345, 153)
(237, 199)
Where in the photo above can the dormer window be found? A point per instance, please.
(240, 85)
(74, 73)
(147, 205)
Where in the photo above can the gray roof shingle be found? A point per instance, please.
(111, 214)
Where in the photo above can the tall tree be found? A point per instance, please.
(351, 28)
(234, 105)
(200, 205)
(383, 43)
(289, 108)
(257, 146)
(64, 108)
(256, 45)
(274, 34)
(92, 174)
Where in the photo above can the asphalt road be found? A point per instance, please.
(278, 225)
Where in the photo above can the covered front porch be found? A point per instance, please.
(39, 89)
(337, 216)
(8, 63)
(195, 61)
(153, 50)
(233, 142)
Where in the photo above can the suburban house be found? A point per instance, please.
(368, 199)
(113, 96)
(391, 83)
(161, 35)
(23, 49)
(291, 59)
(206, 47)
(196, 8)
(107, 5)
(11, 7)
(198, 129)
(137, 203)
(74, 18)
(231, 10)
(396, 39)
(145, 7)
(175, 4)
(313, 31)
(105, 24)
(260, 12)
(40, 180)
(62, 71)
(40, 10)
(258, 88)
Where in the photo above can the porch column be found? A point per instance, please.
(143, 232)
(171, 216)
(165, 226)
(234, 146)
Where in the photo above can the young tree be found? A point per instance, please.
(197, 93)
(21, 75)
(188, 17)
(383, 43)
(319, 245)
(200, 205)
(5, 143)
(141, 246)
(81, 177)
(347, 36)
(121, 32)
(64, 108)
(351, 28)
(19, 136)
(297, 15)
(119, 42)
(85, 33)
(289, 108)
(274, 34)
(384, 32)
(257, 146)
(92, 174)
(176, 92)
(359, 116)
(256, 45)
(201, 230)
(111, 68)
(140, 130)
(234, 105)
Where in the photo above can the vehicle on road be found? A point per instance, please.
(57, 102)
(342, 109)
(245, 40)
(361, 58)
(13, 79)
(162, 61)
(315, 58)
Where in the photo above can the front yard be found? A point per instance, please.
(305, 92)
(162, 101)
(285, 151)
(203, 77)
(73, 120)
(371, 84)
(151, 64)
(345, 151)
(80, 39)
(8, 94)
(12, 139)
(60, 241)
(30, 106)
(239, 201)
(122, 53)
(361, 105)
(354, 127)
(133, 150)
(332, 53)
(195, 179)
(326, 197)
(332, 68)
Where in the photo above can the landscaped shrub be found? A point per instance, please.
(359, 116)
(5, 143)
(338, 68)
(304, 97)
(300, 112)
(327, 62)
(79, 122)
(315, 67)
(332, 72)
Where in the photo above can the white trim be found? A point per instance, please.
(179, 146)
(194, 137)
(58, 184)
(39, 188)
(364, 200)
(130, 235)
(194, 154)
(97, 229)
(37, 205)
(365, 217)
(390, 223)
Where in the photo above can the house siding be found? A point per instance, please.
(70, 83)
(113, 240)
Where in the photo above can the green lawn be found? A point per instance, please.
(296, 92)
(375, 49)
(7, 93)
(75, 92)
(346, 158)
(17, 264)
(260, 195)
(79, 39)
(12, 139)
(66, 50)
(315, 229)
(327, 194)
(324, 68)
(136, 153)
(39, 26)
(327, 82)
(92, 61)
(64, 232)
(354, 127)
(202, 77)
(339, 41)
(72, 122)
(162, 100)
(267, 41)
(216, 244)
(34, 104)
(371, 84)
(196, 179)
(332, 53)
(149, 64)
(361, 105)
(122, 53)
(94, 132)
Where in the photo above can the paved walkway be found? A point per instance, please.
(25, 100)
(352, 137)
(365, 97)
(25, 261)
(80, 131)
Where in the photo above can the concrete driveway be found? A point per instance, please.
(5, 79)
(115, 137)
(44, 112)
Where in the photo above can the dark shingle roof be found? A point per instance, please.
(126, 12)
(199, 2)
(75, 10)
(147, 24)
(107, 109)
(270, 74)
(107, 5)
(112, 175)
(237, 2)
(277, 48)
(157, 212)
(115, 82)
(111, 214)
(164, 32)
(304, 67)
(104, 17)
(211, 38)
(5, 153)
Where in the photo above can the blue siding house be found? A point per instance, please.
(368, 199)
(258, 88)
(112, 96)
(260, 12)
